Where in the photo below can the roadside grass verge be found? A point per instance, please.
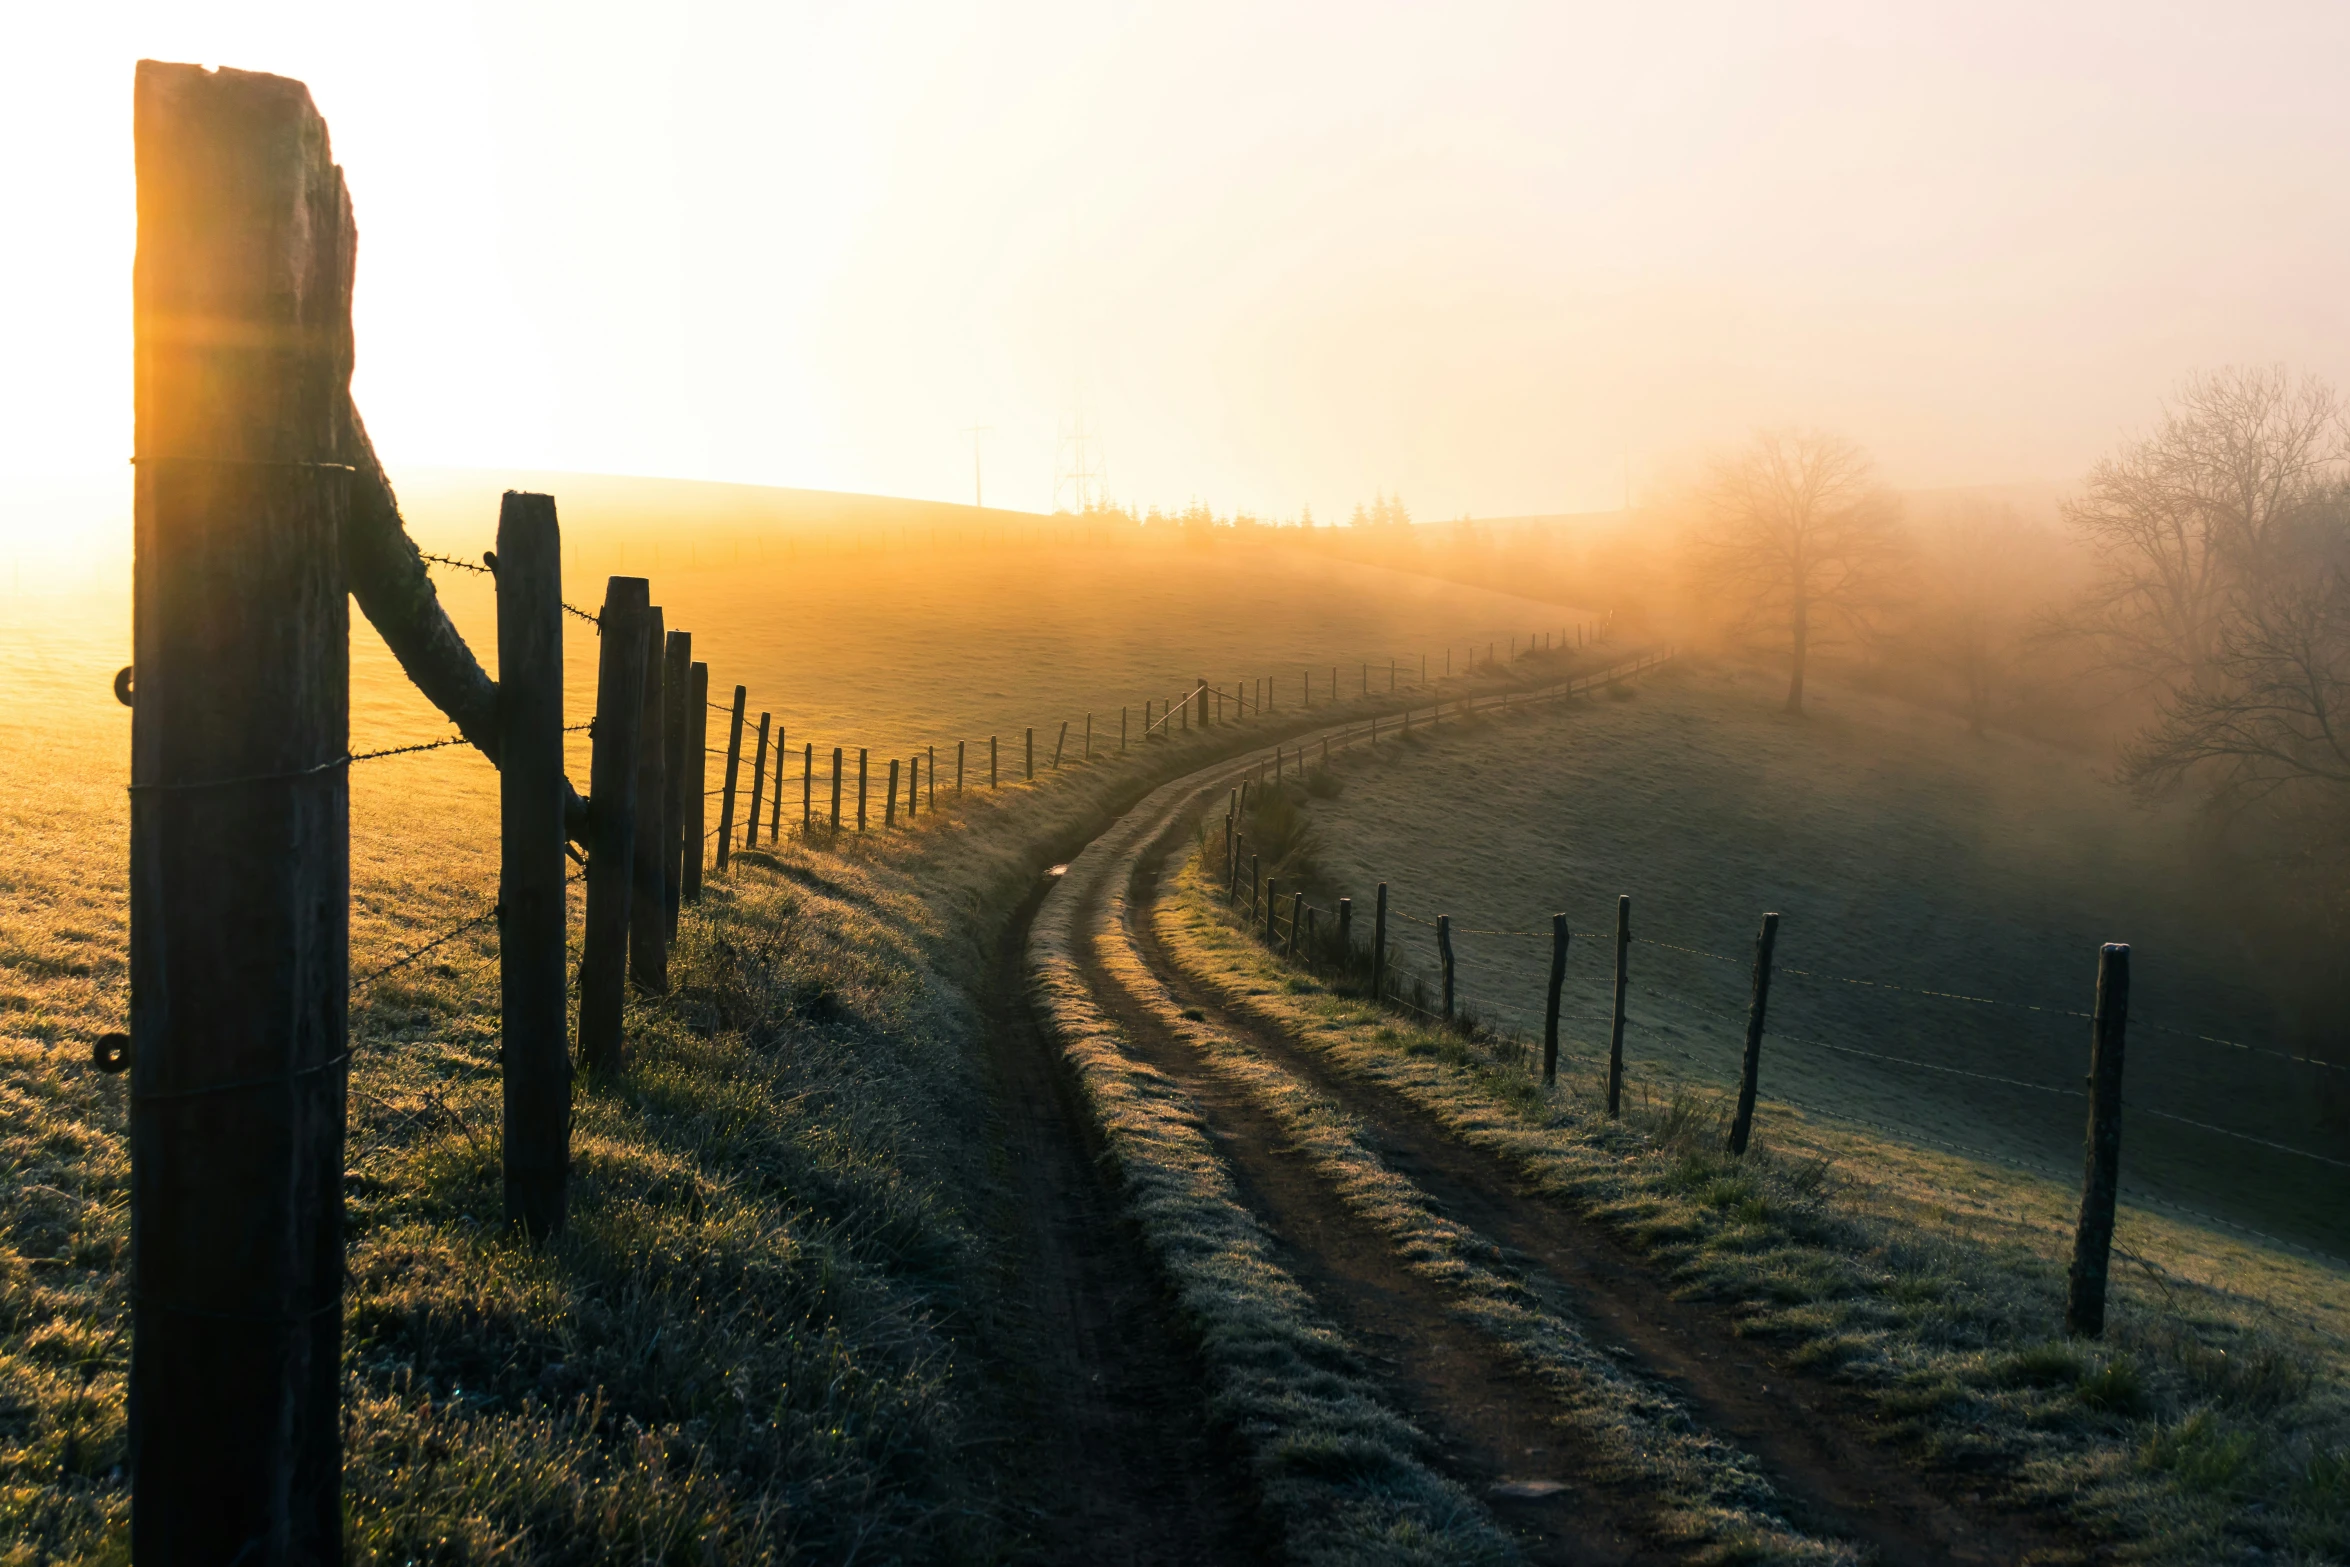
(2210, 1425)
(773, 1327)
(1702, 1495)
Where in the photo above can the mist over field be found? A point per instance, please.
(1221, 784)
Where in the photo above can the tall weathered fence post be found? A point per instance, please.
(864, 770)
(2084, 1297)
(1297, 912)
(697, 793)
(612, 813)
(1379, 945)
(807, 786)
(734, 762)
(1550, 1010)
(677, 684)
(648, 916)
(889, 801)
(534, 918)
(930, 781)
(1743, 1126)
(1615, 1032)
(959, 766)
(1121, 728)
(240, 822)
(913, 784)
(836, 765)
(1028, 767)
(1444, 951)
(758, 785)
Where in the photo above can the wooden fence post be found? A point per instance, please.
(1550, 1012)
(775, 807)
(648, 917)
(992, 774)
(930, 780)
(612, 811)
(1444, 951)
(1059, 743)
(734, 762)
(1200, 695)
(836, 771)
(1121, 728)
(1742, 1127)
(913, 785)
(889, 801)
(1028, 766)
(758, 785)
(677, 679)
(697, 794)
(864, 769)
(534, 917)
(958, 767)
(240, 822)
(1379, 945)
(1297, 909)
(808, 787)
(2084, 1298)
(1615, 1033)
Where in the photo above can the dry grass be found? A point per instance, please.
(767, 1332)
(2212, 1423)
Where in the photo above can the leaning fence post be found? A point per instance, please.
(612, 810)
(240, 822)
(2084, 1298)
(648, 917)
(758, 785)
(1059, 744)
(864, 770)
(1444, 951)
(889, 801)
(808, 787)
(1379, 945)
(1550, 1010)
(677, 681)
(734, 762)
(697, 803)
(1764, 941)
(1615, 1033)
(533, 919)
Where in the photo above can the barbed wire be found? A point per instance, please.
(569, 608)
(408, 750)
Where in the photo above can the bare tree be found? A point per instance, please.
(2181, 519)
(1800, 534)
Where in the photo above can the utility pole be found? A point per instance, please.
(975, 431)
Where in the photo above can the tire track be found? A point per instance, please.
(1814, 1444)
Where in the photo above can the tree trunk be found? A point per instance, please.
(1801, 648)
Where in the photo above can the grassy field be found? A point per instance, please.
(1967, 881)
(767, 1332)
(2209, 1426)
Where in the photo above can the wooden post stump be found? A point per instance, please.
(239, 822)
(1743, 1126)
(1615, 1033)
(2084, 1299)
(734, 763)
(612, 818)
(533, 922)
(1550, 1008)
(648, 918)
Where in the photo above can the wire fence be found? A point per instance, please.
(1481, 983)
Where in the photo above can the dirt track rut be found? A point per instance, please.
(1813, 1443)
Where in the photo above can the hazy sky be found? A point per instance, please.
(1281, 254)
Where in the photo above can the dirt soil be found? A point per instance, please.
(1816, 1446)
